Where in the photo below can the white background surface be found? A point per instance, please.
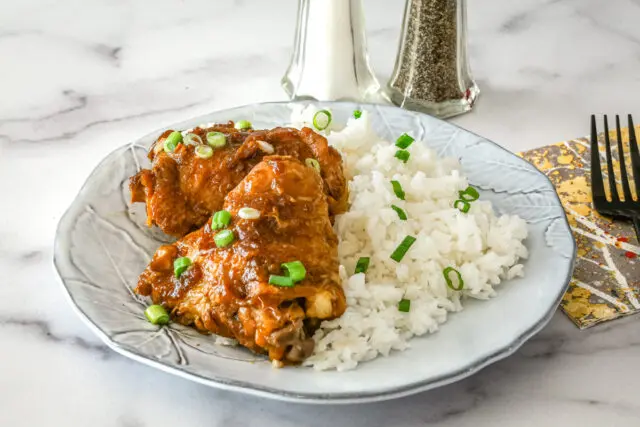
(80, 78)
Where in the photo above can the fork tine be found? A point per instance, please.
(623, 168)
(635, 156)
(612, 178)
(597, 185)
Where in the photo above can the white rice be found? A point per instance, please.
(483, 247)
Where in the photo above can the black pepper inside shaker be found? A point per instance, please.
(432, 72)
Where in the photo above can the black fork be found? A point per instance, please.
(617, 208)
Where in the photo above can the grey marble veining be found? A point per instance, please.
(79, 79)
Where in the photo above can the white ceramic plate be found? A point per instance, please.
(102, 245)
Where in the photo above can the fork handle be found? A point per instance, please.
(636, 225)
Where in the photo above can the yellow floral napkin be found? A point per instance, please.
(606, 280)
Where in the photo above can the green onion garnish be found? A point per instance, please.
(362, 265)
(172, 141)
(156, 314)
(469, 194)
(403, 155)
(402, 249)
(401, 213)
(313, 163)
(180, 265)
(216, 139)
(462, 205)
(204, 151)
(357, 114)
(446, 272)
(404, 305)
(249, 213)
(243, 124)
(192, 139)
(224, 238)
(220, 220)
(322, 119)
(295, 270)
(397, 189)
(404, 141)
(280, 281)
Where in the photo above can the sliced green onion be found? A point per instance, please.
(281, 281)
(446, 272)
(404, 305)
(224, 238)
(357, 114)
(243, 124)
(402, 249)
(192, 139)
(313, 163)
(295, 270)
(322, 119)
(172, 141)
(403, 155)
(249, 213)
(266, 147)
(462, 205)
(469, 194)
(362, 265)
(216, 139)
(180, 265)
(404, 141)
(397, 189)
(156, 314)
(401, 213)
(220, 220)
(204, 151)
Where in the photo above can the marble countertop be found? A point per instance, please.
(79, 79)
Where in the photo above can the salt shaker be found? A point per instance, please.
(330, 60)
(432, 71)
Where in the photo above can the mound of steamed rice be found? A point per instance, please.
(483, 247)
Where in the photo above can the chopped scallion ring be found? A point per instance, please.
(362, 265)
(204, 151)
(469, 194)
(249, 213)
(404, 305)
(216, 139)
(172, 141)
(401, 213)
(224, 238)
(180, 265)
(402, 155)
(404, 141)
(357, 114)
(322, 119)
(462, 205)
(192, 139)
(156, 314)
(397, 189)
(313, 163)
(220, 220)
(402, 249)
(295, 270)
(447, 277)
(266, 147)
(281, 281)
(243, 124)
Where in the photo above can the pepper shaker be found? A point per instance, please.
(330, 60)
(432, 71)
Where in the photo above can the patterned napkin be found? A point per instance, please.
(606, 280)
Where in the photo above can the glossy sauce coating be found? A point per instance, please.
(226, 290)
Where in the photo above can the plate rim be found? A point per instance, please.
(310, 398)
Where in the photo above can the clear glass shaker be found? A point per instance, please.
(432, 71)
(330, 60)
